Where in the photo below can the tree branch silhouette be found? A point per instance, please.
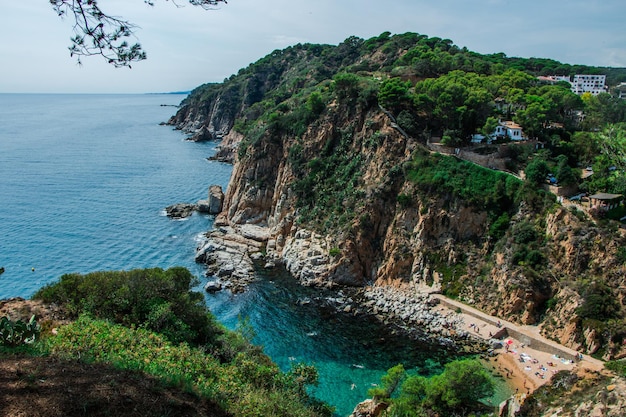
(98, 33)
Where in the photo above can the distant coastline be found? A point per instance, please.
(171, 92)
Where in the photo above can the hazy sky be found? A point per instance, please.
(188, 46)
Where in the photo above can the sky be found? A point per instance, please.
(188, 46)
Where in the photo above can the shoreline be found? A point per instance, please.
(518, 353)
(526, 359)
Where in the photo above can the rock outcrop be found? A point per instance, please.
(215, 202)
(369, 408)
(180, 210)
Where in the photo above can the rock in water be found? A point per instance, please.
(213, 286)
(180, 210)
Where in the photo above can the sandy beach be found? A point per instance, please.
(527, 363)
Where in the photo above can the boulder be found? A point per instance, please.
(180, 210)
(213, 286)
(369, 408)
(213, 204)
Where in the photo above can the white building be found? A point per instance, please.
(594, 84)
(582, 83)
(507, 129)
(620, 90)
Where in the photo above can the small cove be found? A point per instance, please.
(85, 179)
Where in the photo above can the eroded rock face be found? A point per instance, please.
(229, 256)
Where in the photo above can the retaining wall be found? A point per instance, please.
(510, 330)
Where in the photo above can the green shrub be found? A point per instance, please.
(618, 366)
(519, 256)
(535, 258)
(459, 388)
(404, 200)
(599, 303)
(500, 226)
(16, 333)
(536, 171)
(250, 385)
(160, 300)
(480, 187)
(621, 255)
(524, 232)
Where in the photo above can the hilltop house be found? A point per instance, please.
(506, 129)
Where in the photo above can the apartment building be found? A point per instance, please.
(594, 84)
(581, 83)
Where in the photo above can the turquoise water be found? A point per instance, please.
(84, 180)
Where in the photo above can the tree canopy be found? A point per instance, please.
(98, 33)
(458, 389)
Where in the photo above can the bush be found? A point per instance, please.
(535, 258)
(394, 93)
(599, 303)
(536, 171)
(159, 300)
(15, 333)
(404, 200)
(251, 385)
(461, 385)
(524, 233)
(619, 367)
(500, 226)
(621, 255)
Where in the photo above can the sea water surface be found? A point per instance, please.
(84, 180)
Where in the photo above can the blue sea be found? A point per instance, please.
(84, 180)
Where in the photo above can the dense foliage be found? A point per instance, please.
(457, 390)
(483, 188)
(18, 332)
(157, 299)
(249, 385)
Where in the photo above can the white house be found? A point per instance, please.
(506, 129)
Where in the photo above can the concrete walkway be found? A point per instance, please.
(527, 358)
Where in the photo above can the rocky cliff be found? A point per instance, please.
(336, 185)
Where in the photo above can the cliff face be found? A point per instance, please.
(331, 189)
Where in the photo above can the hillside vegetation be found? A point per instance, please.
(156, 348)
(339, 140)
